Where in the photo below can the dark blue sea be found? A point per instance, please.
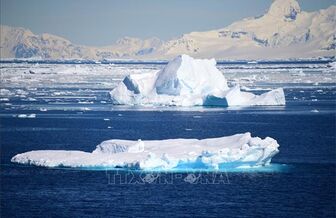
(300, 182)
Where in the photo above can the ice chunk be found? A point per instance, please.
(188, 82)
(213, 153)
(235, 97)
(187, 76)
(26, 115)
(332, 65)
(5, 92)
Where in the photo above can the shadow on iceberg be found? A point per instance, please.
(186, 81)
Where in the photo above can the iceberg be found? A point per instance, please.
(236, 151)
(186, 81)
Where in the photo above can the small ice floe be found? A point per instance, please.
(4, 99)
(21, 92)
(245, 88)
(103, 102)
(106, 119)
(109, 127)
(320, 90)
(5, 92)
(26, 115)
(43, 109)
(31, 99)
(119, 115)
(314, 99)
(85, 102)
(298, 72)
(332, 65)
(188, 129)
(314, 111)
(56, 94)
(197, 117)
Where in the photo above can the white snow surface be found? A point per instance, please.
(186, 81)
(284, 31)
(213, 153)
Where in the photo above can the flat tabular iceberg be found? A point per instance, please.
(235, 151)
(185, 81)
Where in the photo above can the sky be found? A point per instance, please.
(102, 22)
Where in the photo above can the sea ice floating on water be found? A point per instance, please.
(186, 81)
(240, 150)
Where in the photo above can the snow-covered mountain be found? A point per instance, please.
(285, 31)
(22, 43)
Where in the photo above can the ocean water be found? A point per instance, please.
(71, 103)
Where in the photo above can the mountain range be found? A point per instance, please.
(284, 31)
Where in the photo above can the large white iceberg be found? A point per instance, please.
(185, 81)
(240, 150)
